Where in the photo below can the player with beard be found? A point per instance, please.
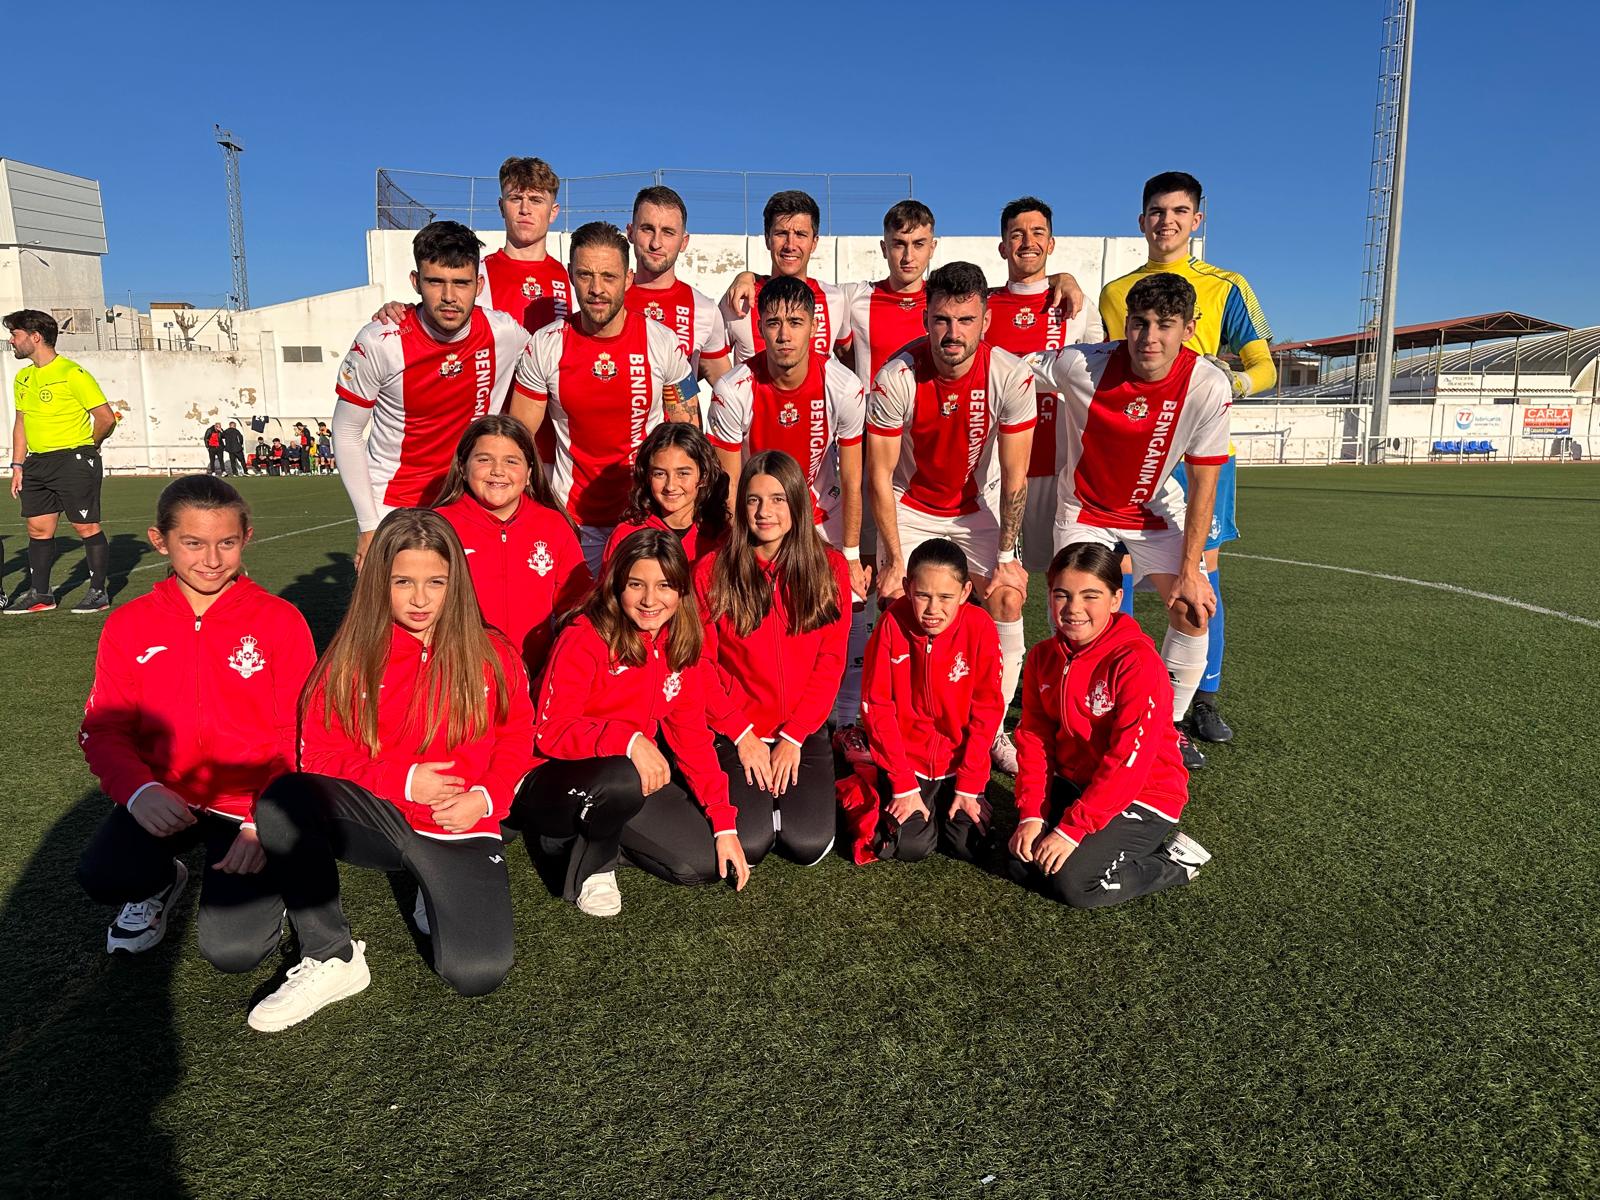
(659, 233)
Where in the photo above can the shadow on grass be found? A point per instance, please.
(127, 549)
(89, 1051)
(322, 594)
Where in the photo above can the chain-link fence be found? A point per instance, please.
(718, 201)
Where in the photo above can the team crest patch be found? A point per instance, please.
(788, 414)
(531, 289)
(672, 685)
(959, 669)
(948, 405)
(655, 312)
(541, 560)
(907, 304)
(1024, 319)
(1138, 409)
(1100, 699)
(604, 368)
(247, 658)
(1216, 527)
(450, 367)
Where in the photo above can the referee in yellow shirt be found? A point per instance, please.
(62, 418)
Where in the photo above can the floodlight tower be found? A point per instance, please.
(1385, 194)
(231, 149)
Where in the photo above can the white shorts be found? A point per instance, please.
(978, 535)
(592, 541)
(1154, 551)
(1038, 524)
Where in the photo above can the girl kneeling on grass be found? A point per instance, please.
(1100, 781)
(629, 665)
(415, 728)
(679, 487)
(931, 708)
(777, 605)
(191, 714)
(527, 569)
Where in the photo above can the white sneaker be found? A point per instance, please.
(140, 926)
(1187, 853)
(311, 985)
(1003, 753)
(600, 896)
(419, 915)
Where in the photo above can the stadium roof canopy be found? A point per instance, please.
(1434, 333)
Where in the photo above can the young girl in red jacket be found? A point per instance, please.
(931, 706)
(777, 603)
(191, 714)
(527, 569)
(628, 667)
(678, 486)
(415, 727)
(1100, 780)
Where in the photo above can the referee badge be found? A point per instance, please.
(604, 368)
(1138, 409)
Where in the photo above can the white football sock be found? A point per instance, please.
(1013, 649)
(847, 708)
(1185, 656)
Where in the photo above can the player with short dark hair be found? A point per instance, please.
(659, 233)
(63, 418)
(1230, 319)
(420, 382)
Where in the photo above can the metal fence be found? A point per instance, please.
(718, 201)
(1267, 434)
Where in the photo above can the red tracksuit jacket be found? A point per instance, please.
(494, 762)
(204, 706)
(932, 704)
(527, 570)
(591, 706)
(781, 684)
(1102, 718)
(693, 545)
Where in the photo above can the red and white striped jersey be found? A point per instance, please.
(423, 390)
(692, 316)
(833, 324)
(535, 293)
(1119, 437)
(949, 430)
(882, 323)
(751, 413)
(604, 396)
(1022, 322)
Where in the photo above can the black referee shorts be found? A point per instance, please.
(63, 481)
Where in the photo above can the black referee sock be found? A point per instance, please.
(41, 557)
(98, 553)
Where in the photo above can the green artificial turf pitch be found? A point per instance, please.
(1387, 983)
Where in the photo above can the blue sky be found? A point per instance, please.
(1269, 104)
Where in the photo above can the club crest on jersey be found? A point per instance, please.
(959, 669)
(604, 368)
(1100, 699)
(907, 304)
(541, 560)
(531, 289)
(672, 685)
(654, 311)
(788, 414)
(1138, 409)
(1024, 318)
(247, 658)
(948, 406)
(450, 367)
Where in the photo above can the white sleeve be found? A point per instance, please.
(728, 417)
(1208, 444)
(366, 366)
(532, 375)
(510, 343)
(1055, 369)
(893, 394)
(849, 401)
(350, 423)
(670, 364)
(1015, 404)
(714, 344)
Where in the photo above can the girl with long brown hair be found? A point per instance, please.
(527, 569)
(415, 727)
(630, 666)
(678, 486)
(776, 599)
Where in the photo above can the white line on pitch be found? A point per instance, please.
(1427, 583)
(260, 541)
